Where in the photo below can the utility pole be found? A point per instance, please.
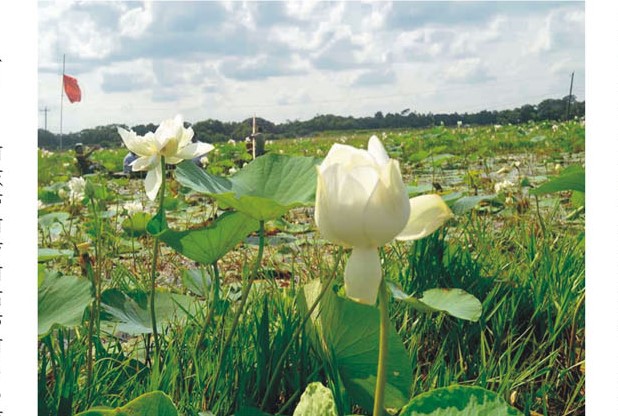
(45, 110)
(253, 131)
(568, 111)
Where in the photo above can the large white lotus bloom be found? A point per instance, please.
(362, 202)
(171, 140)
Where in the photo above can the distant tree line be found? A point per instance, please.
(214, 131)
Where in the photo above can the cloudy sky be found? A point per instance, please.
(140, 62)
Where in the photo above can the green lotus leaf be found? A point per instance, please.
(265, 189)
(208, 244)
(455, 302)
(136, 224)
(572, 178)
(317, 400)
(62, 301)
(457, 401)
(131, 315)
(347, 334)
(155, 403)
(46, 254)
(468, 203)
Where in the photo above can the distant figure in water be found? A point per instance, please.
(126, 163)
(259, 140)
(84, 164)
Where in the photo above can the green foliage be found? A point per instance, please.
(459, 400)
(198, 281)
(46, 254)
(455, 302)
(468, 203)
(208, 244)
(346, 333)
(155, 403)
(265, 189)
(136, 224)
(62, 302)
(572, 178)
(317, 400)
(131, 315)
(524, 262)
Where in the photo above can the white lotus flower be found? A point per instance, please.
(132, 207)
(171, 141)
(362, 202)
(77, 189)
(504, 186)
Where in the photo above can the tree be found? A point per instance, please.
(527, 113)
(551, 109)
(47, 139)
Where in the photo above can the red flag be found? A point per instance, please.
(72, 89)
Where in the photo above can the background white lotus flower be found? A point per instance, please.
(132, 207)
(362, 202)
(171, 140)
(77, 189)
(504, 186)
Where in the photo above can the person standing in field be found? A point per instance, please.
(259, 142)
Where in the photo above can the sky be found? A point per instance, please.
(142, 62)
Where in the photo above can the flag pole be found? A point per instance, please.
(61, 100)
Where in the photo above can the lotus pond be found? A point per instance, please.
(223, 297)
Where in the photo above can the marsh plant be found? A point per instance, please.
(309, 286)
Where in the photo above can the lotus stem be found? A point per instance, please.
(214, 305)
(281, 360)
(241, 306)
(378, 404)
(153, 273)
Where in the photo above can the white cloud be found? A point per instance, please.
(418, 44)
(302, 10)
(136, 21)
(128, 76)
(86, 40)
(470, 70)
(379, 15)
(542, 41)
(291, 60)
